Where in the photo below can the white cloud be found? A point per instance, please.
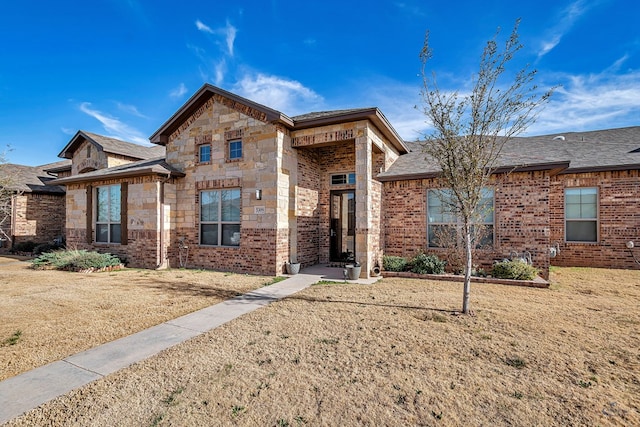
(203, 27)
(595, 101)
(230, 36)
(566, 21)
(287, 96)
(131, 109)
(179, 91)
(114, 126)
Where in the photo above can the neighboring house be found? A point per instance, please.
(36, 207)
(245, 188)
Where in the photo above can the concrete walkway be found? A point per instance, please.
(31, 389)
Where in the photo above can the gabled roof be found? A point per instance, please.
(207, 91)
(571, 152)
(157, 166)
(111, 146)
(30, 179)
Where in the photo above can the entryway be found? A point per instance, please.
(343, 226)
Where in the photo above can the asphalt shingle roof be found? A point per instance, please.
(611, 149)
(30, 179)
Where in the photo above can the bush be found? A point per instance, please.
(47, 247)
(427, 264)
(24, 246)
(516, 269)
(394, 263)
(75, 260)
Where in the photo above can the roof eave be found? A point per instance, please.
(161, 136)
(153, 170)
(372, 114)
(587, 169)
(554, 167)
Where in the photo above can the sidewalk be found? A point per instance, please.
(31, 389)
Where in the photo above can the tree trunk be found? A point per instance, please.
(467, 271)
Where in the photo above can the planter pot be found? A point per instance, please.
(353, 271)
(292, 267)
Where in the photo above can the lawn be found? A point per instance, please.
(393, 353)
(48, 315)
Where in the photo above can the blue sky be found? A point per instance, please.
(122, 67)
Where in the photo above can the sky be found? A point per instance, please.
(121, 68)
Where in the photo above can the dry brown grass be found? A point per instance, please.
(61, 313)
(394, 353)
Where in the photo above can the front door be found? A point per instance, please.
(343, 226)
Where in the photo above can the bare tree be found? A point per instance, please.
(471, 130)
(6, 198)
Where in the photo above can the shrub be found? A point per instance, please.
(28, 246)
(394, 263)
(47, 247)
(75, 260)
(516, 269)
(427, 264)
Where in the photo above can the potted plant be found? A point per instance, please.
(353, 270)
(292, 267)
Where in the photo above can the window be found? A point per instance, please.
(443, 224)
(220, 217)
(343, 178)
(108, 203)
(235, 150)
(88, 151)
(204, 153)
(581, 214)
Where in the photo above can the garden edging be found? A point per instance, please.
(538, 282)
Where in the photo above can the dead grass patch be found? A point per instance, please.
(394, 353)
(48, 315)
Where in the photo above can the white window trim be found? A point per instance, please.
(220, 222)
(596, 219)
(108, 222)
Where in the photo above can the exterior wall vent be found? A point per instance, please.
(559, 138)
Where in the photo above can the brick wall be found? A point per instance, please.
(38, 217)
(619, 219)
(307, 207)
(521, 218)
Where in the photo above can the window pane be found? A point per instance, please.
(114, 203)
(102, 200)
(209, 206)
(582, 231)
(115, 233)
(589, 211)
(230, 205)
(205, 153)
(573, 212)
(338, 179)
(209, 234)
(235, 149)
(572, 195)
(352, 178)
(484, 236)
(102, 233)
(441, 235)
(231, 234)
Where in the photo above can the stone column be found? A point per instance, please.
(363, 199)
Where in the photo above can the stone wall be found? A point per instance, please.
(619, 219)
(263, 243)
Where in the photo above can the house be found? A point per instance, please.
(35, 209)
(242, 187)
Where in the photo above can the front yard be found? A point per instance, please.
(393, 353)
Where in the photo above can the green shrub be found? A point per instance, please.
(394, 263)
(516, 269)
(427, 264)
(75, 260)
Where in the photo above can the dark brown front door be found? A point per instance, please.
(343, 226)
